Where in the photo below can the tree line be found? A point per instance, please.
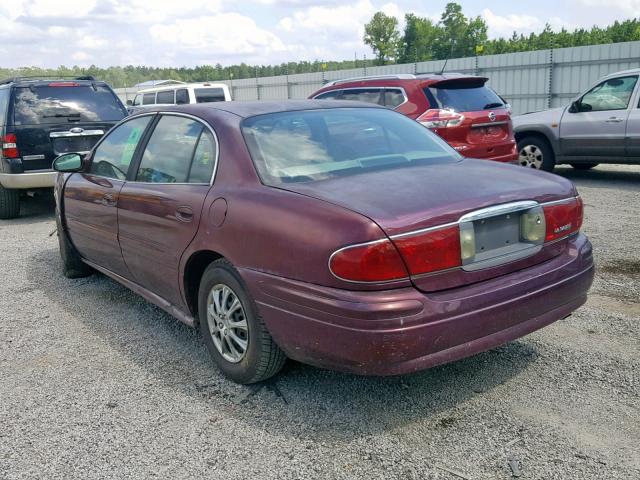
(456, 35)
(453, 36)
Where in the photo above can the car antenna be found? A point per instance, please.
(453, 41)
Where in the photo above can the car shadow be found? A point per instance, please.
(625, 177)
(302, 401)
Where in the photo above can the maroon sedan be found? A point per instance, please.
(337, 234)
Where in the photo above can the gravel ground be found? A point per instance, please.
(97, 383)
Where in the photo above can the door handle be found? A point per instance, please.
(614, 120)
(108, 200)
(184, 214)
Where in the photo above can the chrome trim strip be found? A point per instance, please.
(69, 133)
(33, 157)
(423, 230)
(490, 124)
(496, 210)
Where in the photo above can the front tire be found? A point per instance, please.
(233, 331)
(9, 203)
(72, 264)
(535, 152)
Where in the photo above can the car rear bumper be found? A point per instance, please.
(404, 330)
(38, 179)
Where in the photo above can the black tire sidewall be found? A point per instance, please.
(223, 273)
(548, 157)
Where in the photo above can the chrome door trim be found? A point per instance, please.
(69, 133)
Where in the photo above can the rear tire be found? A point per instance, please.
(221, 325)
(535, 152)
(584, 166)
(9, 203)
(72, 264)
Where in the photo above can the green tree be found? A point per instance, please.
(382, 35)
(418, 40)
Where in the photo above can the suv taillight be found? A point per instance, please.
(563, 218)
(9, 146)
(440, 118)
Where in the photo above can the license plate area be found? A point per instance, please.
(76, 144)
(497, 235)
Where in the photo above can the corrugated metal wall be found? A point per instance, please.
(530, 81)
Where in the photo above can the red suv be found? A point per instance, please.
(470, 116)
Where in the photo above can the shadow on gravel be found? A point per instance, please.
(625, 178)
(304, 402)
(34, 209)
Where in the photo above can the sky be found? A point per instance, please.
(50, 33)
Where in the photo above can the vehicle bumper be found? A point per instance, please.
(39, 179)
(404, 330)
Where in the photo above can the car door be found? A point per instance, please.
(633, 130)
(159, 209)
(91, 197)
(595, 126)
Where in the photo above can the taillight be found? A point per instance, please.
(370, 262)
(9, 146)
(440, 118)
(563, 218)
(430, 251)
(63, 84)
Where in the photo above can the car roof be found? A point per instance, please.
(397, 79)
(623, 72)
(40, 81)
(253, 108)
(177, 86)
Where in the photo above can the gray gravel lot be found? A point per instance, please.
(97, 383)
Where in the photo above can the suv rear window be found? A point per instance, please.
(51, 104)
(463, 97)
(204, 95)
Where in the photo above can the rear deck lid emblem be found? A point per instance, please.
(492, 116)
(77, 130)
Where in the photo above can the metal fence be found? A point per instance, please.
(530, 81)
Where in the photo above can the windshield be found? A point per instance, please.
(46, 104)
(463, 98)
(314, 145)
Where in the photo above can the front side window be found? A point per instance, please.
(613, 94)
(369, 95)
(137, 100)
(149, 99)
(68, 102)
(168, 155)
(313, 145)
(113, 156)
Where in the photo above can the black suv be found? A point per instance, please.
(41, 119)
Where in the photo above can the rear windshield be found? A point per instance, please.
(462, 98)
(46, 104)
(204, 95)
(314, 145)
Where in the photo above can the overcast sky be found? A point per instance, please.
(193, 32)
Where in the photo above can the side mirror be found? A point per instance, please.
(575, 106)
(67, 163)
(129, 103)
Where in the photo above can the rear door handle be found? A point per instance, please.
(184, 214)
(108, 200)
(614, 120)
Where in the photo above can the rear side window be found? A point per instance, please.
(204, 95)
(393, 97)
(463, 97)
(369, 95)
(168, 155)
(113, 156)
(204, 159)
(4, 103)
(329, 95)
(59, 104)
(149, 99)
(182, 96)
(166, 97)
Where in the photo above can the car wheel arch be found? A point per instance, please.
(536, 133)
(193, 271)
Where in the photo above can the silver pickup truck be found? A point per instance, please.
(600, 126)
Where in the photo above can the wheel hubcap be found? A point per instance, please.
(227, 323)
(531, 156)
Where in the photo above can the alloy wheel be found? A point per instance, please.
(227, 323)
(531, 156)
